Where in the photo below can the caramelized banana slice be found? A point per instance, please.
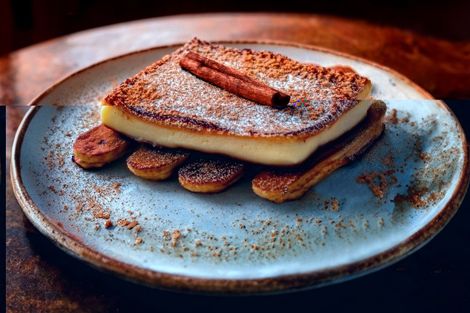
(98, 147)
(210, 175)
(155, 163)
(281, 184)
(86, 165)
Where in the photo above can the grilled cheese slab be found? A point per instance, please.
(165, 105)
(282, 184)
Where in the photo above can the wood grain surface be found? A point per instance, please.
(41, 278)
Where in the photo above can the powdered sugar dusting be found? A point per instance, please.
(147, 157)
(206, 171)
(165, 93)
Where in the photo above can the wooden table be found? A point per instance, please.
(41, 278)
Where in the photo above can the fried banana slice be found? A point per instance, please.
(282, 184)
(155, 163)
(98, 147)
(210, 175)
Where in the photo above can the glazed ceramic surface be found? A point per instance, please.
(235, 241)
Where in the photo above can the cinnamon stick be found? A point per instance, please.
(233, 80)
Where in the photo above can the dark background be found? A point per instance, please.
(434, 279)
(24, 22)
(2, 192)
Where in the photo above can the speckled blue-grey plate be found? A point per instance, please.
(236, 242)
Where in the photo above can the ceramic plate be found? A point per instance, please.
(365, 216)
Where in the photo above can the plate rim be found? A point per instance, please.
(74, 246)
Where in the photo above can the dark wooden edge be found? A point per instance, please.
(74, 246)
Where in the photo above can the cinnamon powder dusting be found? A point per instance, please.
(177, 98)
(415, 196)
(378, 182)
(211, 171)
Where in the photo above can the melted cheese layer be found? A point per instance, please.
(262, 150)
